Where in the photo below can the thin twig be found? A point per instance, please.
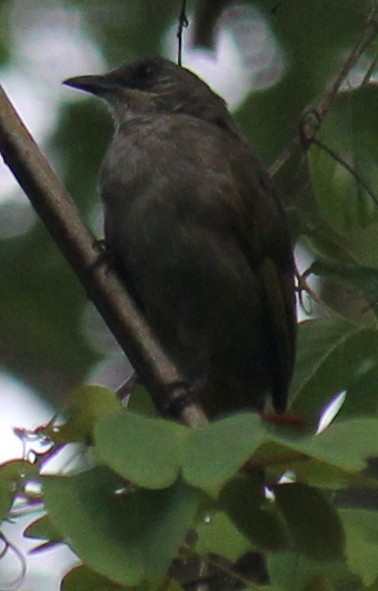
(61, 217)
(303, 286)
(332, 88)
(347, 167)
(286, 153)
(309, 124)
(183, 23)
(370, 71)
(18, 580)
(365, 39)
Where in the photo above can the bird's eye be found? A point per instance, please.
(145, 70)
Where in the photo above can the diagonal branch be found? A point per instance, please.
(326, 101)
(61, 217)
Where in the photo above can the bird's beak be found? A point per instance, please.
(98, 85)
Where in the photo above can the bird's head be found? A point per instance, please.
(152, 86)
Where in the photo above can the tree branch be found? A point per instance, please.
(61, 217)
(207, 15)
(332, 88)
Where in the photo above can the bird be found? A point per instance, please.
(199, 235)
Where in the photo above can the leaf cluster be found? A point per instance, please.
(153, 495)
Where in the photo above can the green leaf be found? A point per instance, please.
(14, 471)
(331, 459)
(145, 450)
(218, 535)
(215, 453)
(290, 571)
(5, 499)
(361, 528)
(141, 402)
(318, 583)
(358, 277)
(84, 579)
(256, 517)
(12, 474)
(336, 455)
(86, 405)
(346, 444)
(151, 452)
(373, 587)
(331, 355)
(43, 529)
(361, 399)
(127, 536)
(311, 465)
(323, 240)
(351, 131)
(313, 522)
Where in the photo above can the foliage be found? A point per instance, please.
(151, 497)
(147, 481)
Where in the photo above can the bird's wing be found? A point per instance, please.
(264, 238)
(282, 318)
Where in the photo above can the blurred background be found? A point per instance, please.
(270, 60)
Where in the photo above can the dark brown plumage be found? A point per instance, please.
(199, 234)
